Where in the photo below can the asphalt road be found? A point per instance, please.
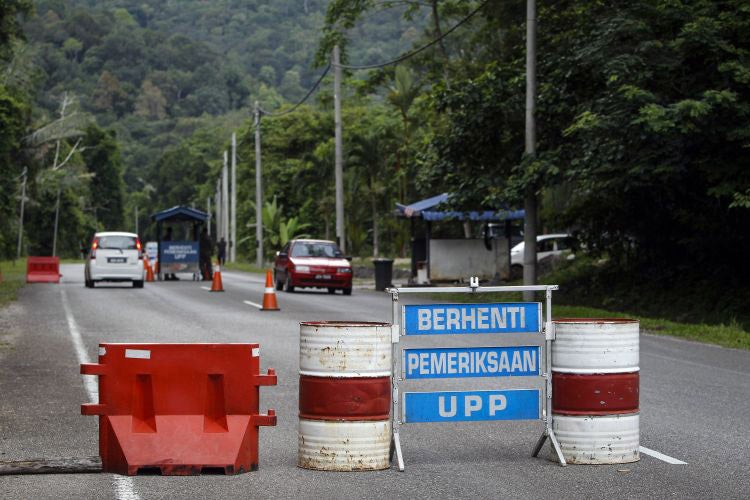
(694, 405)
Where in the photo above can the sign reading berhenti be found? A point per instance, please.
(179, 251)
(470, 362)
(452, 319)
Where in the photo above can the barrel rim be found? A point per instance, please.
(596, 320)
(347, 324)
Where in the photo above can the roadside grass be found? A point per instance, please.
(726, 335)
(245, 266)
(14, 278)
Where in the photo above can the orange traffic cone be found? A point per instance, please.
(149, 269)
(269, 297)
(216, 285)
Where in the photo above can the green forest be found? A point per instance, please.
(643, 115)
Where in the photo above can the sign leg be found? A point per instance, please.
(558, 450)
(539, 444)
(399, 456)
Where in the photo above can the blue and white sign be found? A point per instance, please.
(176, 252)
(471, 406)
(465, 362)
(451, 319)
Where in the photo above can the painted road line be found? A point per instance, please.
(123, 485)
(253, 304)
(661, 456)
(206, 288)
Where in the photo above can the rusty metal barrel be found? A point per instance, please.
(595, 388)
(344, 395)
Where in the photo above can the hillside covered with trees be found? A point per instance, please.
(642, 109)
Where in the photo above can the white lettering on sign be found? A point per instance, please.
(472, 404)
(441, 407)
(482, 318)
(492, 361)
(498, 402)
(424, 319)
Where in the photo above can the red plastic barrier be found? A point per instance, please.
(43, 270)
(179, 408)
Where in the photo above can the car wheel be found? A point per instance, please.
(348, 291)
(138, 284)
(288, 287)
(331, 290)
(279, 284)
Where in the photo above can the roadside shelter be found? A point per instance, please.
(454, 259)
(179, 253)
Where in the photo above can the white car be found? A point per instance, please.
(546, 245)
(114, 256)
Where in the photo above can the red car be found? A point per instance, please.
(312, 264)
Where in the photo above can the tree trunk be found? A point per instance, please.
(439, 34)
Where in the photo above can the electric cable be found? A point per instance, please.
(307, 96)
(413, 53)
(397, 60)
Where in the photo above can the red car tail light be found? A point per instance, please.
(94, 246)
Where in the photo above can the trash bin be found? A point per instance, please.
(383, 273)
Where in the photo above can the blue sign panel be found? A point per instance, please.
(471, 406)
(463, 362)
(451, 319)
(179, 252)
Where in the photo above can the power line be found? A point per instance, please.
(307, 96)
(413, 53)
(399, 59)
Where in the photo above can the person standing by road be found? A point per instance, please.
(222, 253)
(206, 245)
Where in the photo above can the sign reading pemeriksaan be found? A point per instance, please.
(452, 319)
(518, 404)
(463, 362)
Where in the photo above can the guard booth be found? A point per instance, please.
(446, 252)
(180, 253)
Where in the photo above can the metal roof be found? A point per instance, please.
(420, 209)
(180, 213)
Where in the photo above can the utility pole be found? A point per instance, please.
(136, 219)
(233, 229)
(217, 198)
(208, 211)
(57, 219)
(339, 168)
(20, 216)
(258, 192)
(225, 198)
(530, 200)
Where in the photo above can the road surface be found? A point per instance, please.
(695, 400)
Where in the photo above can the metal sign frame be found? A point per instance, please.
(397, 359)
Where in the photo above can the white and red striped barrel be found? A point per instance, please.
(595, 385)
(344, 395)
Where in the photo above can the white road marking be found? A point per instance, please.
(253, 304)
(206, 288)
(123, 485)
(661, 456)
